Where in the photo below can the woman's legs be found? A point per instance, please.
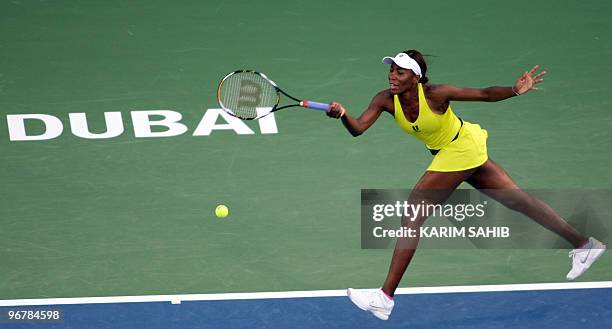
(432, 188)
(493, 180)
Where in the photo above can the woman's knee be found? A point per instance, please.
(413, 222)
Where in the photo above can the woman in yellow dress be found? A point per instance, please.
(459, 152)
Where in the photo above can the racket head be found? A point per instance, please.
(248, 94)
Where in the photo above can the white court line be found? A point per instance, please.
(177, 299)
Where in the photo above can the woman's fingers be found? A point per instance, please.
(335, 110)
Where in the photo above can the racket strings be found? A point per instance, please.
(244, 93)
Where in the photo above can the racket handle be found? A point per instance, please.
(315, 105)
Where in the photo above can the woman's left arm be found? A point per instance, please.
(523, 84)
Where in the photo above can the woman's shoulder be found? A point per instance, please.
(383, 99)
(436, 91)
(383, 96)
(434, 88)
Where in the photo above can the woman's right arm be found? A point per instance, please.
(356, 126)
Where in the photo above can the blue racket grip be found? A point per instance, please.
(315, 105)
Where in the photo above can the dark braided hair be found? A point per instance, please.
(418, 57)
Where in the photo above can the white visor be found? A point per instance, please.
(404, 61)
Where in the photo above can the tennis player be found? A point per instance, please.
(459, 151)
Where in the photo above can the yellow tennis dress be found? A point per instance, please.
(456, 144)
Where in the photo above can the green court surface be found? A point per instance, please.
(130, 215)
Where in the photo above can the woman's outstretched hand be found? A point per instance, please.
(336, 110)
(527, 82)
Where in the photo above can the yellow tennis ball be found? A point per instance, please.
(221, 211)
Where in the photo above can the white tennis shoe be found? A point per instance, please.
(584, 257)
(372, 300)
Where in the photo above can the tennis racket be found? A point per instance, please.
(252, 95)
